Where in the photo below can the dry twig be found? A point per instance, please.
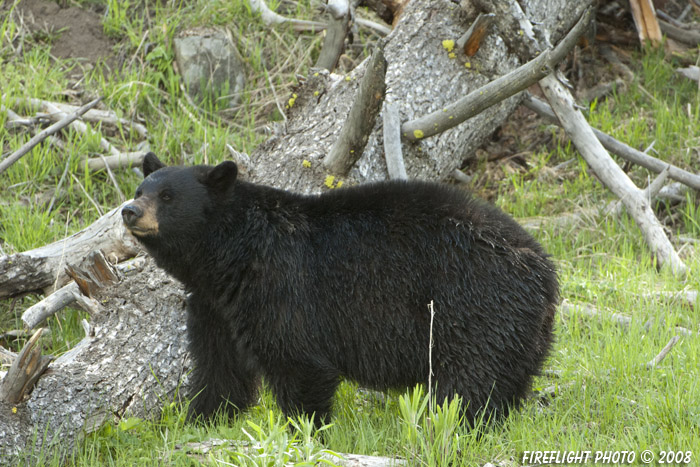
(41, 136)
(664, 352)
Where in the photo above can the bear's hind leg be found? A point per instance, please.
(306, 391)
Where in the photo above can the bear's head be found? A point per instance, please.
(173, 206)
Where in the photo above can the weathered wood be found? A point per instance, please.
(336, 32)
(664, 352)
(363, 113)
(24, 372)
(43, 267)
(621, 149)
(42, 135)
(392, 142)
(421, 78)
(611, 174)
(644, 16)
(495, 91)
(37, 313)
(68, 294)
(124, 159)
(135, 359)
(107, 117)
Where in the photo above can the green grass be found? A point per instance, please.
(606, 400)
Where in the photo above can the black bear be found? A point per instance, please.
(306, 290)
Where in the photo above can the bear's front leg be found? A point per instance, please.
(221, 377)
(305, 390)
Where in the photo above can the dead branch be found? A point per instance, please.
(615, 208)
(24, 372)
(43, 267)
(645, 20)
(688, 298)
(201, 450)
(99, 271)
(336, 32)
(107, 117)
(664, 352)
(124, 159)
(55, 112)
(495, 91)
(116, 159)
(568, 309)
(376, 27)
(392, 142)
(42, 135)
(353, 138)
(591, 149)
(685, 36)
(269, 17)
(628, 153)
(37, 313)
(611, 174)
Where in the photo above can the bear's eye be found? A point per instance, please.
(165, 195)
(138, 193)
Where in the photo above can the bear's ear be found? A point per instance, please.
(222, 176)
(151, 163)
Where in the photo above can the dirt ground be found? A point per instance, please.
(73, 32)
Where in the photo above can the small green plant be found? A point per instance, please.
(272, 443)
(430, 429)
(116, 17)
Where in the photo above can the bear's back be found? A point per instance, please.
(417, 206)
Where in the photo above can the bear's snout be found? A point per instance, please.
(131, 213)
(140, 217)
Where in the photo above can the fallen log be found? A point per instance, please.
(42, 269)
(134, 359)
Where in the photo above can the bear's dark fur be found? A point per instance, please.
(306, 290)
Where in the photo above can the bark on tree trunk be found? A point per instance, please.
(134, 357)
(133, 361)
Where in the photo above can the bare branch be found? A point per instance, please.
(269, 17)
(356, 130)
(621, 149)
(664, 352)
(376, 27)
(336, 32)
(121, 160)
(392, 142)
(65, 121)
(649, 192)
(495, 91)
(107, 117)
(567, 308)
(611, 174)
(24, 372)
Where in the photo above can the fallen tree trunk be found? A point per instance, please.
(133, 357)
(43, 269)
